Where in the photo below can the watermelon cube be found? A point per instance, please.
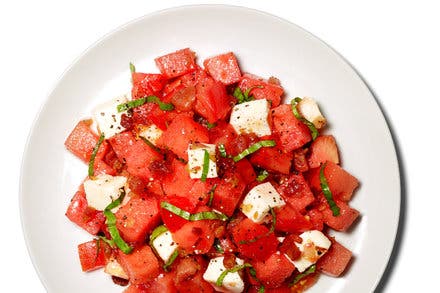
(177, 63)
(223, 68)
(262, 89)
(141, 265)
(274, 270)
(323, 149)
(335, 261)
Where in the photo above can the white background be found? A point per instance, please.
(395, 46)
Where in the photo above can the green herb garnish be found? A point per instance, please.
(210, 125)
(253, 148)
(298, 116)
(151, 145)
(139, 102)
(205, 168)
(218, 246)
(159, 230)
(243, 97)
(171, 260)
(132, 68)
(253, 274)
(109, 242)
(301, 276)
(222, 150)
(327, 192)
(111, 224)
(235, 269)
(262, 176)
(93, 156)
(271, 230)
(211, 195)
(192, 217)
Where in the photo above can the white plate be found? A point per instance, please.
(266, 45)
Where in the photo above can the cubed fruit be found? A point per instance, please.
(103, 189)
(273, 271)
(253, 240)
(163, 283)
(246, 171)
(172, 221)
(146, 84)
(196, 160)
(93, 254)
(323, 149)
(135, 153)
(341, 183)
(188, 278)
(300, 163)
(251, 117)
(108, 117)
(344, 220)
(262, 89)
(283, 289)
(288, 219)
(313, 246)
(195, 284)
(292, 132)
(272, 159)
(223, 133)
(316, 218)
(228, 193)
(141, 265)
(182, 131)
(335, 261)
(137, 218)
(258, 202)
(178, 181)
(101, 168)
(296, 191)
(82, 140)
(183, 98)
(176, 63)
(232, 282)
(223, 68)
(212, 101)
(309, 110)
(84, 216)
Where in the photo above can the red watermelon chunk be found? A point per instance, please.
(292, 132)
(177, 63)
(170, 219)
(347, 216)
(272, 159)
(296, 192)
(335, 261)
(137, 218)
(262, 89)
(141, 265)
(178, 181)
(290, 220)
(323, 149)
(223, 68)
(273, 271)
(93, 255)
(146, 84)
(228, 193)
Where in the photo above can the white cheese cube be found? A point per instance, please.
(196, 154)
(108, 118)
(164, 245)
(151, 132)
(232, 281)
(314, 245)
(115, 269)
(104, 189)
(251, 117)
(257, 203)
(309, 109)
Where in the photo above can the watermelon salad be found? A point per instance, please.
(202, 180)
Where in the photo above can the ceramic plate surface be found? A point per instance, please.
(265, 45)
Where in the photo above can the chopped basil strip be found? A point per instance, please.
(327, 192)
(171, 260)
(132, 68)
(261, 289)
(93, 156)
(253, 148)
(211, 195)
(253, 274)
(262, 175)
(235, 269)
(222, 150)
(151, 145)
(298, 116)
(210, 125)
(163, 106)
(271, 230)
(109, 242)
(111, 224)
(205, 169)
(244, 96)
(159, 230)
(217, 246)
(192, 217)
(301, 276)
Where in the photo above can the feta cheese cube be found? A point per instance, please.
(108, 118)
(257, 203)
(251, 117)
(151, 132)
(196, 154)
(115, 269)
(164, 245)
(314, 245)
(309, 109)
(104, 189)
(232, 282)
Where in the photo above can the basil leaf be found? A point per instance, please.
(271, 230)
(205, 169)
(139, 102)
(222, 150)
(211, 195)
(217, 246)
(111, 224)
(109, 242)
(132, 68)
(238, 94)
(298, 116)
(171, 260)
(327, 192)
(192, 217)
(210, 125)
(151, 145)
(235, 269)
(93, 156)
(163, 106)
(253, 148)
(262, 176)
(301, 276)
(159, 230)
